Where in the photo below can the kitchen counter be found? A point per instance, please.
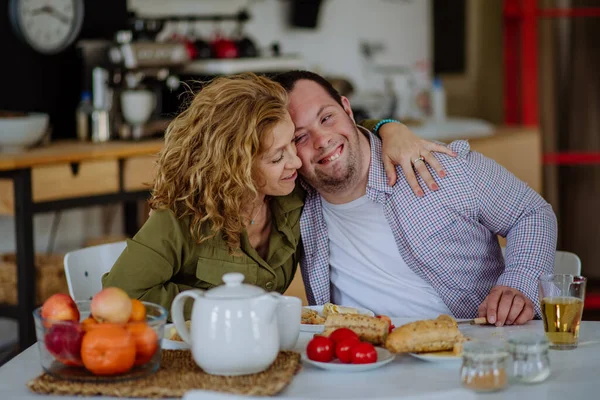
(74, 151)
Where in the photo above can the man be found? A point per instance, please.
(373, 245)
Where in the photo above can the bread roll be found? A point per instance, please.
(368, 329)
(425, 336)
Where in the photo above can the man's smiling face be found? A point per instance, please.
(327, 140)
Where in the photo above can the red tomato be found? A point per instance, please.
(343, 349)
(320, 348)
(341, 334)
(392, 327)
(363, 353)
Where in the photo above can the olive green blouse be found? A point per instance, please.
(163, 259)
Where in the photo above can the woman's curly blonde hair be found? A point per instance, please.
(205, 169)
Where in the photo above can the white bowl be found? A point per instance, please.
(18, 133)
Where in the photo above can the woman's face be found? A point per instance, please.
(277, 166)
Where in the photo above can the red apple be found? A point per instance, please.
(60, 307)
(63, 341)
(111, 305)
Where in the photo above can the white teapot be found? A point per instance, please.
(237, 328)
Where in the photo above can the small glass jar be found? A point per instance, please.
(530, 361)
(484, 366)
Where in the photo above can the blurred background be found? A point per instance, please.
(518, 78)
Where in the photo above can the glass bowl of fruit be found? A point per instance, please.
(106, 339)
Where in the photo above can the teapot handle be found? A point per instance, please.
(177, 312)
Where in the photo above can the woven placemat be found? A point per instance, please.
(177, 375)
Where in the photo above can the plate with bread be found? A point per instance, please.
(314, 317)
(435, 340)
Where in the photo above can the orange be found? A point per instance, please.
(146, 341)
(108, 350)
(138, 311)
(88, 323)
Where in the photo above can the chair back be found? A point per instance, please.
(564, 262)
(84, 268)
(567, 263)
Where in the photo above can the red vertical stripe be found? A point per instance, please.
(512, 103)
(529, 63)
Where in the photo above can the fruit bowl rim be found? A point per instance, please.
(156, 320)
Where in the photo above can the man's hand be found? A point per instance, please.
(402, 147)
(506, 305)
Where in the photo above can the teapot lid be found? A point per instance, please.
(234, 288)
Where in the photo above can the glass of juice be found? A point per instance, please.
(561, 298)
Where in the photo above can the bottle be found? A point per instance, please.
(101, 121)
(438, 101)
(82, 115)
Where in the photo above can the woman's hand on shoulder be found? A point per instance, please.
(402, 147)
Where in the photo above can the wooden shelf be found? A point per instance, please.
(73, 151)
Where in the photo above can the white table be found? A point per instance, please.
(575, 375)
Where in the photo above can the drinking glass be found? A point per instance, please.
(561, 298)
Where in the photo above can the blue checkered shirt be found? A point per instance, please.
(449, 237)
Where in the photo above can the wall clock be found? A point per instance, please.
(48, 26)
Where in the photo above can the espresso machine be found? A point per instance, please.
(143, 82)
(132, 85)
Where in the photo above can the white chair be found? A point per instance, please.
(564, 263)
(84, 268)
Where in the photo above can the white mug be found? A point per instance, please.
(289, 313)
(137, 105)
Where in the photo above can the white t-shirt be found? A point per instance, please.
(366, 267)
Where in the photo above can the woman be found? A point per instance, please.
(225, 197)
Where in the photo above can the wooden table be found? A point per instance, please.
(61, 176)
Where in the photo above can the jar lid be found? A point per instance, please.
(234, 288)
(485, 350)
(528, 344)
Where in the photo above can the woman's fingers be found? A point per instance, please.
(411, 178)
(440, 148)
(390, 170)
(425, 175)
(434, 163)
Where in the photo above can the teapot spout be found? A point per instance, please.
(265, 306)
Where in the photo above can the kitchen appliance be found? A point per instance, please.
(143, 74)
(140, 90)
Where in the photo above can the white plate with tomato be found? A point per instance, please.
(383, 357)
(344, 351)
